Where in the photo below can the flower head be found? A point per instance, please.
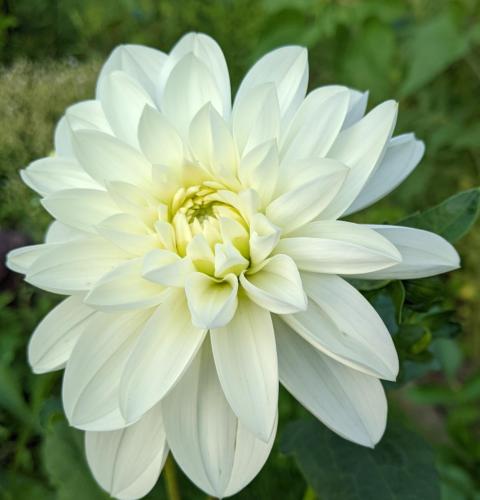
(201, 250)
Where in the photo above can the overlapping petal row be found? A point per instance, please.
(200, 247)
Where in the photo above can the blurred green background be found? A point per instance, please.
(425, 54)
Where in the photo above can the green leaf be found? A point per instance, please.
(451, 219)
(16, 486)
(65, 463)
(435, 45)
(400, 467)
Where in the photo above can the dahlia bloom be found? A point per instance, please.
(200, 249)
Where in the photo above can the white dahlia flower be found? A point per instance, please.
(200, 247)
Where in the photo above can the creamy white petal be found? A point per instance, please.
(163, 352)
(349, 402)
(264, 237)
(402, 155)
(257, 119)
(207, 50)
(55, 174)
(316, 124)
(60, 233)
(55, 336)
(275, 285)
(166, 268)
(356, 107)
(21, 259)
(159, 140)
(143, 64)
(208, 442)
(361, 147)
(61, 140)
(423, 254)
(189, 87)
(302, 203)
(127, 462)
(125, 288)
(338, 247)
(246, 360)
(108, 159)
(80, 208)
(87, 115)
(287, 69)
(352, 314)
(212, 302)
(75, 266)
(91, 382)
(123, 100)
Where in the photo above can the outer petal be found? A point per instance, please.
(208, 442)
(349, 402)
(353, 314)
(127, 462)
(276, 286)
(162, 354)
(361, 147)
(92, 377)
(212, 302)
(423, 254)
(337, 247)
(21, 259)
(287, 69)
(55, 336)
(402, 155)
(246, 361)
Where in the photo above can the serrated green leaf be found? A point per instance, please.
(401, 467)
(451, 219)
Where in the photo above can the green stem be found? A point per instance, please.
(171, 482)
(309, 494)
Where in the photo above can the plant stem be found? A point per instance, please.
(171, 482)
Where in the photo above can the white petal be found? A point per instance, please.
(62, 141)
(356, 107)
(108, 159)
(189, 87)
(55, 174)
(60, 233)
(287, 69)
(246, 361)
(228, 260)
(127, 462)
(208, 442)
(123, 100)
(91, 382)
(349, 402)
(55, 336)
(21, 259)
(163, 352)
(354, 316)
(212, 302)
(143, 64)
(166, 267)
(361, 147)
(159, 140)
(87, 115)
(275, 285)
(316, 124)
(264, 237)
(338, 247)
(423, 254)
(125, 288)
(402, 155)
(80, 208)
(306, 201)
(256, 119)
(74, 266)
(207, 50)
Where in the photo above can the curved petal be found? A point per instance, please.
(264, 237)
(208, 442)
(349, 402)
(60, 233)
(361, 147)
(87, 115)
(275, 285)
(166, 268)
(125, 288)
(55, 336)
(402, 155)
(127, 462)
(246, 361)
(287, 69)
(338, 247)
(91, 382)
(423, 254)
(212, 302)
(21, 259)
(163, 352)
(352, 314)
